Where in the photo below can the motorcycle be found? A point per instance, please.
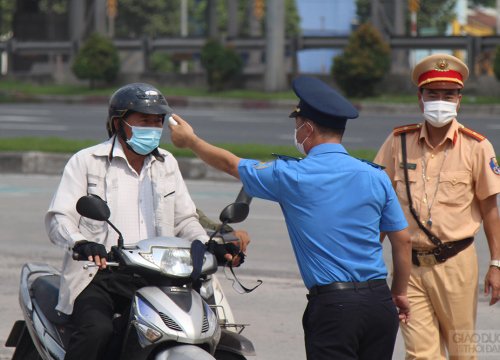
(181, 314)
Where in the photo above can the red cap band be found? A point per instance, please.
(436, 75)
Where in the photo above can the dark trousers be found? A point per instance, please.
(92, 318)
(351, 324)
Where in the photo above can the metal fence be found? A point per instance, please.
(474, 46)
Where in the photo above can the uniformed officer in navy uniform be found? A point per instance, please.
(335, 207)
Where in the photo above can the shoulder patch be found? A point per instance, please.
(376, 166)
(286, 157)
(471, 133)
(263, 165)
(494, 165)
(406, 128)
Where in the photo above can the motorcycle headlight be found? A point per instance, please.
(176, 262)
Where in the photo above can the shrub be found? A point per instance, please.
(363, 64)
(161, 62)
(496, 63)
(223, 65)
(97, 60)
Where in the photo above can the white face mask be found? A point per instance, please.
(439, 113)
(299, 146)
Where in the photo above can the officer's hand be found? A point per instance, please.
(403, 305)
(243, 243)
(244, 238)
(492, 282)
(182, 134)
(91, 251)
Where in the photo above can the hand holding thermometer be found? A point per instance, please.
(171, 121)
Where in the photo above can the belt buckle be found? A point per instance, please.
(426, 259)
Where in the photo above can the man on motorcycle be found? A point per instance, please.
(146, 193)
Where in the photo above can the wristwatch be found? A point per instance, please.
(495, 263)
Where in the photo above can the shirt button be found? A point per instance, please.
(427, 178)
(425, 201)
(90, 275)
(432, 156)
(423, 222)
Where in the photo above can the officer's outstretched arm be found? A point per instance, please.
(183, 136)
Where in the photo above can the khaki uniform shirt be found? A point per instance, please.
(446, 182)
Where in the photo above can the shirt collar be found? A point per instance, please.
(117, 150)
(451, 134)
(327, 148)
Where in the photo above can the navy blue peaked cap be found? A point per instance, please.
(321, 104)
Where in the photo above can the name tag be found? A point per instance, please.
(409, 166)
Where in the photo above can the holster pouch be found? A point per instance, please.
(439, 254)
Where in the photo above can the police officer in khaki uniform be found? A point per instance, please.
(446, 177)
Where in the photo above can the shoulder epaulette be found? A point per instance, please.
(406, 128)
(286, 157)
(376, 166)
(475, 135)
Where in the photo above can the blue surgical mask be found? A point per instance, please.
(144, 139)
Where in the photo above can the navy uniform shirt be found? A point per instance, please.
(334, 206)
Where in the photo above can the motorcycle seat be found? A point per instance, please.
(45, 290)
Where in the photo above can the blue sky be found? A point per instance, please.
(327, 18)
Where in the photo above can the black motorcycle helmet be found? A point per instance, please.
(136, 97)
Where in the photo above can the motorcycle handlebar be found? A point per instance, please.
(110, 264)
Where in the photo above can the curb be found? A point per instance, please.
(34, 162)
(174, 101)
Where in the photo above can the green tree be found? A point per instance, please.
(496, 63)
(97, 60)
(152, 18)
(160, 18)
(363, 64)
(363, 10)
(436, 14)
(223, 65)
(6, 14)
(487, 3)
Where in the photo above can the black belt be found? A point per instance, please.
(439, 254)
(322, 289)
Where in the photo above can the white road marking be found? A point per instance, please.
(35, 127)
(26, 119)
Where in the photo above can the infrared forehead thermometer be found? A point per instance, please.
(171, 121)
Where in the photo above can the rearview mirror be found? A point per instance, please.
(234, 213)
(93, 207)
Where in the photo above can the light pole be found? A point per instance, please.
(184, 31)
(275, 78)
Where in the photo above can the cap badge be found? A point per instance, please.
(297, 109)
(441, 65)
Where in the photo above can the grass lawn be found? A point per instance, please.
(11, 90)
(250, 151)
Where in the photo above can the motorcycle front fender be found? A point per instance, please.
(184, 352)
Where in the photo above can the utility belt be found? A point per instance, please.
(339, 286)
(439, 254)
